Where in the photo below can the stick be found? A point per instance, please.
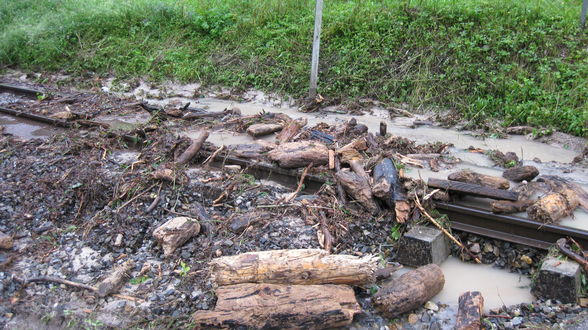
(77, 285)
(213, 155)
(340, 190)
(331, 159)
(193, 148)
(134, 198)
(561, 245)
(448, 234)
(300, 183)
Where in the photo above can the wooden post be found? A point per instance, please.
(316, 45)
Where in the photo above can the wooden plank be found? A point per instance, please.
(316, 45)
(473, 189)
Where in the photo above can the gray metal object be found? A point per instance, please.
(316, 47)
(583, 14)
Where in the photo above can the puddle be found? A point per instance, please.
(27, 129)
(498, 286)
(124, 122)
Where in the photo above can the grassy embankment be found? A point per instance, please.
(521, 61)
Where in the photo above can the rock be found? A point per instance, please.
(488, 248)
(521, 173)
(6, 241)
(240, 223)
(475, 248)
(421, 246)
(413, 318)
(558, 279)
(431, 306)
(526, 259)
(175, 232)
(118, 240)
(516, 321)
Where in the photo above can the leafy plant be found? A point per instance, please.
(184, 269)
(396, 232)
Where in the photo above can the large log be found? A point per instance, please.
(559, 184)
(409, 291)
(302, 266)
(387, 187)
(359, 188)
(468, 176)
(271, 306)
(193, 149)
(256, 130)
(300, 154)
(470, 311)
(554, 207)
(290, 131)
(518, 174)
(473, 189)
(510, 206)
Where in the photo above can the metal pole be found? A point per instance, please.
(316, 45)
(583, 15)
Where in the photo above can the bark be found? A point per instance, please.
(558, 184)
(300, 154)
(271, 306)
(510, 206)
(291, 130)
(480, 179)
(409, 291)
(302, 266)
(470, 311)
(518, 174)
(193, 149)
(358, 188)
(175, 233)
(473, 189)
(115, 280)
(256, 130)
(553, 207)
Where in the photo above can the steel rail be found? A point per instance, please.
(20, 90)
(463, 218)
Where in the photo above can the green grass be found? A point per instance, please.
(521, 61)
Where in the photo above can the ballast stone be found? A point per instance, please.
(422, 246)
(558, 280)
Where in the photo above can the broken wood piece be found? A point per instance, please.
(331, 159)
(409, 291)
(473, 189)
(300, 154)
(273, 306)
(325, 238)
(518, 174)
(340, 191)
(408, 161)
(76, 285)
(291, 130)
(300, 184)
(468, 176)
(554, 207)
(470, 311)
(193, 149)
(559, 184)
(301, 266)
(386, 177)
(354, 159)
(510, 206)
(383, 128)
(257, 130)
(6, 241)
(358, 188)
(175, 232)
(113, 282)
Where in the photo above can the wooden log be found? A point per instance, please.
(409, 291)
(468, 176)
(383, 128)
(559, 184)
(193, 149)
(272, 306)
(473, 189)
(355, 160)
(300, 154)
(518, 174)
(256, 130)
(113, 282)
(554, 207)
(386, 176)
(340, 190)
(331, 159)
(359, 188)
(302, 266)
(510, 206)
(470, 311)
(291, 130)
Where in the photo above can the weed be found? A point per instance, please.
(396, 232)
(184, 269)
(139, 280)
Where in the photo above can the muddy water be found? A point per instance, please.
(498, 286)
(27, 129)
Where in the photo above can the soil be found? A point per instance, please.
(83, 200)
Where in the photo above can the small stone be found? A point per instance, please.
(413, 318)
(488, 248)
(526, 259)
(516, 321)
(118, 240)
(431, 306)
(6, 241)
(240, 223)
(218, 253)
(475, 248)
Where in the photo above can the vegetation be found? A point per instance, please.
(522, 61)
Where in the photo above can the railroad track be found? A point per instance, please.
(463, 218)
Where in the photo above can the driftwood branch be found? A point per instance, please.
(193, 149)
(77, 285)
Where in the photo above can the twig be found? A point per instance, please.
(448, 234)
(155, 201)
(300, 184)
(77, 285)
(561, 245)
(135, 198)
(213, 155)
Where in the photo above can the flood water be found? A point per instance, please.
(27, 129)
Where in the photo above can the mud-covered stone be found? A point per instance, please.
(422, 246)
(175, 233)
(5, 241)
(558, 280)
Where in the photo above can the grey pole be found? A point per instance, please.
(583, 15)
(316, 45)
